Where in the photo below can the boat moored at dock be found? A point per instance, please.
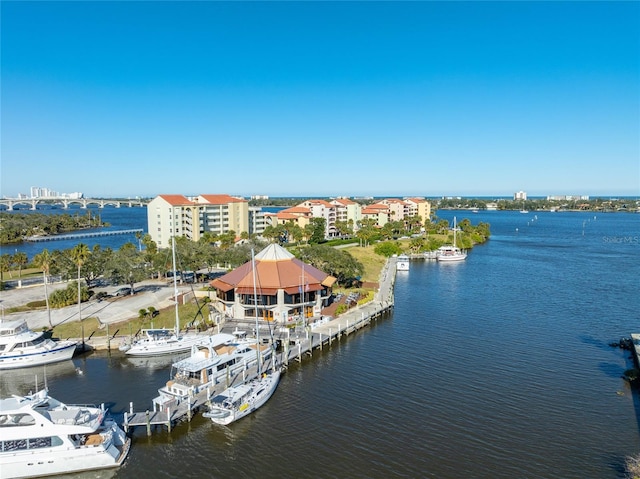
(215, 362)
(402, 263)
(41, 436)
(20, 347)
(239, 401)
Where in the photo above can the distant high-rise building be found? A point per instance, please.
(520, 195)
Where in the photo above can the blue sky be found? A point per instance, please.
(320, 98)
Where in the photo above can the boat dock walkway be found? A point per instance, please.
(295, 346)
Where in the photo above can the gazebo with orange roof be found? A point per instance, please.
(287, 289)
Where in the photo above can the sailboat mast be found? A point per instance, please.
(175, 281)
(255, 305)
(454, 231)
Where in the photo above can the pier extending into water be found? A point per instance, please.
(73, 236)
(318, 335)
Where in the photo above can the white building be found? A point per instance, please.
(520, 195)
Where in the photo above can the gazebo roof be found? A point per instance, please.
(276, 268)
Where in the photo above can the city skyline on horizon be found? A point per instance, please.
(515, 195)
(321, 99)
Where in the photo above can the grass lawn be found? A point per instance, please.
(166, 319)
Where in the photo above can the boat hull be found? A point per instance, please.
(183, 345)
(266, 387)
(63, 351)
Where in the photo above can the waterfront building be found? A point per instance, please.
(298, 215)
(287, 289)
(379, 214)
(348, 211)
(191, 217)
(323, 209)
(520, 195)
(177, 215)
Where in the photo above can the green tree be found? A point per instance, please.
(387, 249)
(336, 262)
(318, 228)
(20, 259)
(5, 265)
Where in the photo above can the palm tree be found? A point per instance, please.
(80, 254)
(5, 265)
(20, 260)
(43, 260)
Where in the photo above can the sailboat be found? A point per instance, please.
(156, 342)
(451, 252)
(241, 400)
(523, 210)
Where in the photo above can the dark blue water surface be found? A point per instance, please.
(119, 219)
(497, 367)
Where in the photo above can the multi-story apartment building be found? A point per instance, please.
(177, 215)
(419, 207)
(323, 209)
(348, 211)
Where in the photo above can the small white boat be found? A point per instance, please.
(402, 264)
(157, 342)
(20, 347)
(42, 436)
(239, 401)
(451, 253)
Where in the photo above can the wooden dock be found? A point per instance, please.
(296, 345)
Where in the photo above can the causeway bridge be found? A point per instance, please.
(64, 202)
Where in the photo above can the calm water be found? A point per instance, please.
(498, 367)
(123, 218)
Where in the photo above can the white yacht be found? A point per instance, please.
(41, 436)
(157, 342)
(450, 253)
(239, 401)
(21, 347)
(402, 264)
(218, 361)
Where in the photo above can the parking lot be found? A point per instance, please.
(105, 305)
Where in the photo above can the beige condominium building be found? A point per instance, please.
(177, 215)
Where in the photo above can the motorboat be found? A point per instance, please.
(451, 253)
(22, 347)
(402, 263)
(220, 360)
(239, 401)
(41, 436)
(157, 342)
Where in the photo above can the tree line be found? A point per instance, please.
(15, 227)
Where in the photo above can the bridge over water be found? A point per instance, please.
(33, 203)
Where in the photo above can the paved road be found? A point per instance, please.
(149, 293)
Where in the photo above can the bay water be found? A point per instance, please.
(496, 367)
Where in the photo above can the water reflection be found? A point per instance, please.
(22, 381)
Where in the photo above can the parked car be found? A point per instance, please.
(123, 292)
